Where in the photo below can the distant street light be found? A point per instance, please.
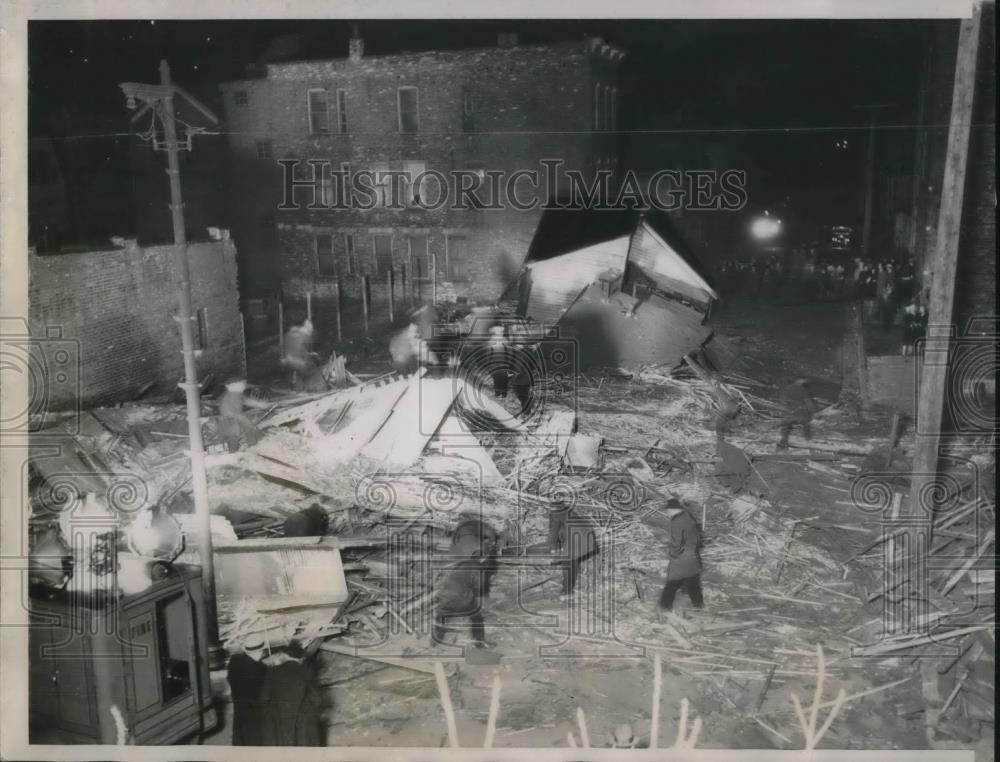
(765, 228)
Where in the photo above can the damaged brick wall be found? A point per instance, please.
(117, 307)
(500, 109)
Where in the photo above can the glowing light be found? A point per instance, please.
(764, 228)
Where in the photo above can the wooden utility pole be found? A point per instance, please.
(161, 100)
(933, 383)
(944, 259)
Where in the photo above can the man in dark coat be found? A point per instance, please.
(684, 549)
(799, 409)
(527, 367)
(467, 583)
(498, 360)
(276, 701)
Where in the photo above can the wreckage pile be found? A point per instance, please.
(393, 461)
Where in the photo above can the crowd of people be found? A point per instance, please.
(890, 286)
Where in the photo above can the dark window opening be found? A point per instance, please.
(319, 114)
(342, 111)
(409, 121)
(383, 253)
(419, 269)
(326, 266)
(456, 258)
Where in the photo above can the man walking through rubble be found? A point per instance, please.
(799, 409)
(684, 549)
(298, 352)
(234, 425)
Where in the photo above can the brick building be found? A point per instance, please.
(104, 321)
(499, 109)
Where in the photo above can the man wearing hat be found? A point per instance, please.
(684, 549)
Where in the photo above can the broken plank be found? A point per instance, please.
(259, 544)
(987, 541)
(417, 665)
(900, 644)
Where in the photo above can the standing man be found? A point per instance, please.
(234, 425)
(684, 549)
(799, 409)
(498, 359)
(298, 352)
(527, 363)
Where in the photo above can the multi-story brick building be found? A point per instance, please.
(490, 110)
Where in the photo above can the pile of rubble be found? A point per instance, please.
(387, 466)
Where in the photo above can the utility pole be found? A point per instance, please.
(160, 98)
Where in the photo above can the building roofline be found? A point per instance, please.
(585, 45)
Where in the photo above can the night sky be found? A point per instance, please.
(779, 96)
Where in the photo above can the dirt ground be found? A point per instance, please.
(550, 666)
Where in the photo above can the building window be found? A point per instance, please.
(319, 113)
(326, 265)
(326, 189)
(382, 246)
(382, 180)
(407, 102)
(350, 260)
(344, 184)
(203, 328)
(598, 100)
(342, 111)
(413, 190)
(456, 264)
(419, 269)
(265, 149)
(240, 97)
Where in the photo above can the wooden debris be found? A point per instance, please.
(417, 665)
(582, 723)
(449, 712)
(654, 727)
(810, 732)
(491, 723)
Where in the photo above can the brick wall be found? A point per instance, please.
(528, 104)
(117, 308)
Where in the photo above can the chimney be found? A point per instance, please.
(507, 40)
(356, 46)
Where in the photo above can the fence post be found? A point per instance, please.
(391, 283)
(309, 306)
(340, 299)
(281, 330)
(243, 343)
(365, 306)
(434, 279)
